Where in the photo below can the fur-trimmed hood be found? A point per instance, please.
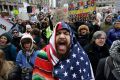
(27, 36)
(110, 14)
(83, 27)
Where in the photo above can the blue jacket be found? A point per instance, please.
(22, 61)
(113, 34)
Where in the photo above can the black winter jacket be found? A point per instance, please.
(100, 75)
(95, 53)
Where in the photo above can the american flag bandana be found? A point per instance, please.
(76, 66)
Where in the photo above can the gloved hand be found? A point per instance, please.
(26, 70)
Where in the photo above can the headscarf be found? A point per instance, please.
(76, 65)
(115, 54)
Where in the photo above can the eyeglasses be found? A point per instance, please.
(101, 38)
(15, 32)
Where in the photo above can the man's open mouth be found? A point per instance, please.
(61, 45)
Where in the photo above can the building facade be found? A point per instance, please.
(9, 5)
(102, 3)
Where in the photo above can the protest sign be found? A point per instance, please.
(5, 26)
(22, 10)
(80, 9)
(23, 16)
(60, 14)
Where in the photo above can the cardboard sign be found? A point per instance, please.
(5, 26)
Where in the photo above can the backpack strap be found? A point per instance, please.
(106, 69)
(28, 60)
(108, 66)
(110, 63)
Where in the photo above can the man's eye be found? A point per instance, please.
(67, 33)
(57, 33)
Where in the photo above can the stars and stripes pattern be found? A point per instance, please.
(76, 66)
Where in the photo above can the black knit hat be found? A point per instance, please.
(7, 35)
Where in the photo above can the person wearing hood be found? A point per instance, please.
(63, 58)
(108, 22)
(6, 45)
(83, 35)
(28, 29)
(114, 33)
(26, 56)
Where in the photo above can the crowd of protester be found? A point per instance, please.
(27, 40)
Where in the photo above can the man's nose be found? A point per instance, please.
(62, 35)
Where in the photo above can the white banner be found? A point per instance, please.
(5, 26)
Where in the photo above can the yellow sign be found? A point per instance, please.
(89, 9)
(81, 9)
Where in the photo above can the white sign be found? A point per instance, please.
(22, 10)
(5, 26)
(23, 16)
